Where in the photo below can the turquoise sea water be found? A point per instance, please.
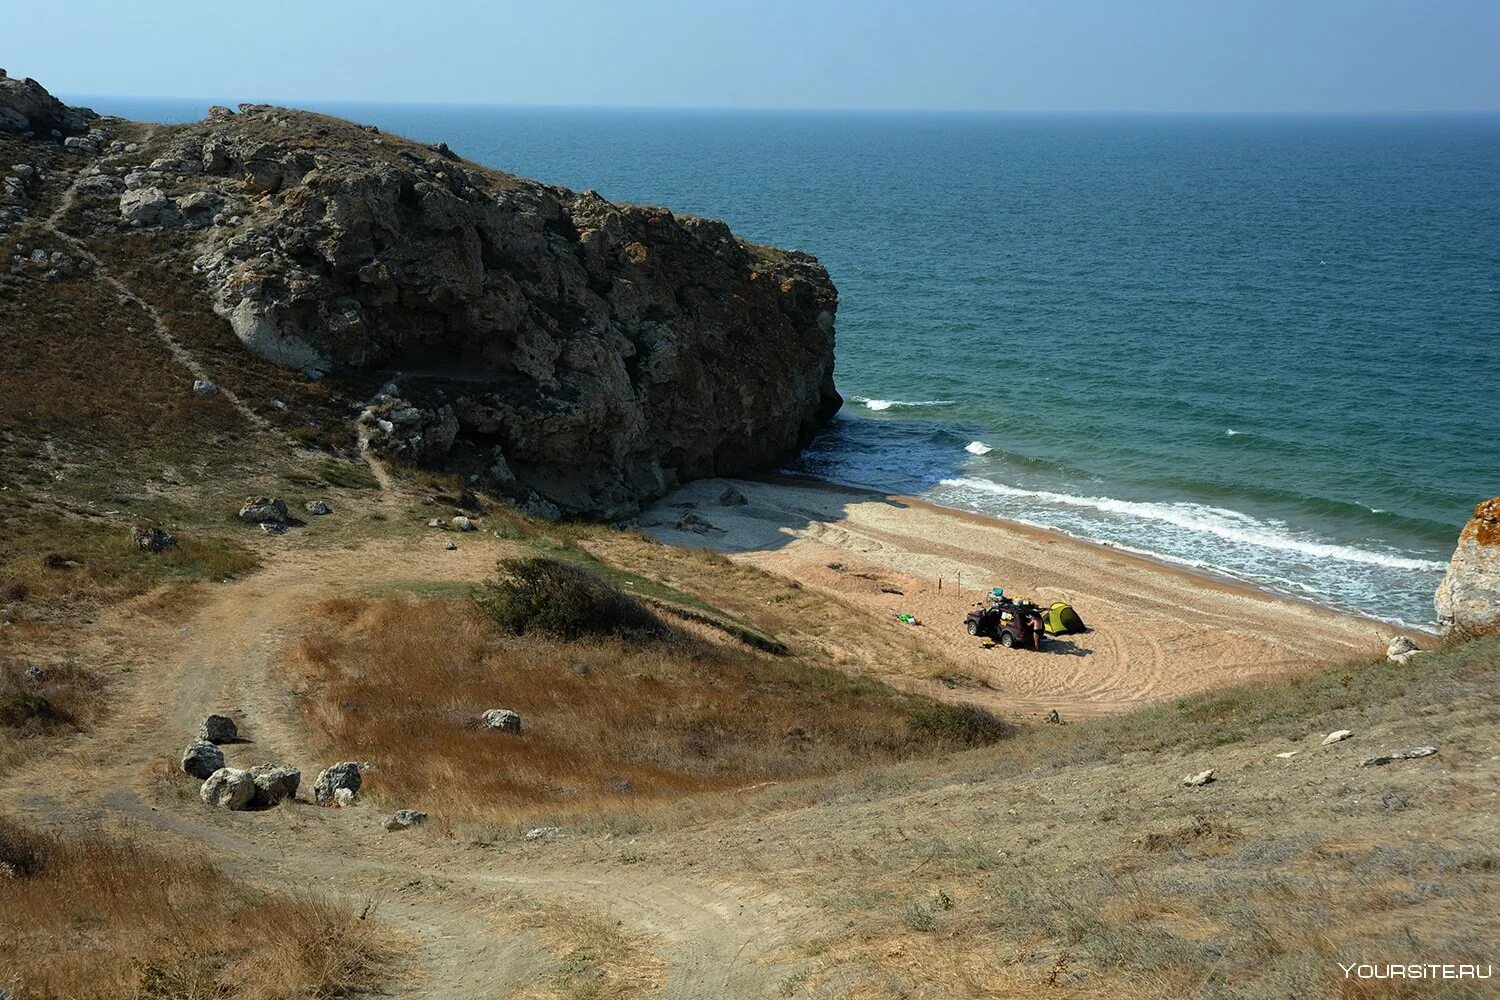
(1269, 346)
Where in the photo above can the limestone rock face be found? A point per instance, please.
(577, 355)
(1468, 599)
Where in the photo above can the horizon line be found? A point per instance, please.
(811, 109)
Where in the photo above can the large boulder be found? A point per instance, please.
(228, 788)
(1468, 599)
(273, 783)
(218, 729)
(263, 510)
(201, 759)
(343, 777)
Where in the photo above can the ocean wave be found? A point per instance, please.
(978, 448)
(1220, 522)
(898, 404)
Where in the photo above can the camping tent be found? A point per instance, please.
(1061, 619)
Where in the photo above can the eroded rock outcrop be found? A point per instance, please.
(1468, 599)
(580, 355)
(26, 107)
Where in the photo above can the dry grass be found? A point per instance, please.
(596, 958)
(1071, 858)
(83, 915)
(609, 724)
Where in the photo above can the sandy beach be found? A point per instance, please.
(1155, 631)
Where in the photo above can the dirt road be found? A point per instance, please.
(457, 901)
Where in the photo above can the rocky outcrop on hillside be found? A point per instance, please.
(27, 108)
(580, 355)
(1468, 599)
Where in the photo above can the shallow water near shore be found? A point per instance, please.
(1269, 346)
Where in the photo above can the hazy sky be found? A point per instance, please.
(1163, 55)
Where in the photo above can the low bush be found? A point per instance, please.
(563, 601)
(965, 725)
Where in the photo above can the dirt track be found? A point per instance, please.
(1156, 632)
(715, 939)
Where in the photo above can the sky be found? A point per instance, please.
(1046, 55)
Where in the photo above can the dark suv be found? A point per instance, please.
(1010, 623)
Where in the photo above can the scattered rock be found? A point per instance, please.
(451, 546)
(502, 719)
(544, 833)
(203, 387)
(218, 729)
(343, 798)
(274, 527)
(1337, 736)
(319, 507)
(201, 759)
(149, 538)
(692, 522)
(147, 206)
(461, 523)
(404, 819)
(344, 776)
(1401, 649)
(274, 783)
(1381, 760)
(1199, 779)
(1054, 718)
(228, 788)
(732, 497)
(1468, 599)
(1288, 754)
(437, 522)
(35, 674)
(263, 510)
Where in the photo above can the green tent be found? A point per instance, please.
(1061, 619)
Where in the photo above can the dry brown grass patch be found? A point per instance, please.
(609, 724)
(89, 915)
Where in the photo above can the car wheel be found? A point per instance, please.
(973, 627)
(1007, 640)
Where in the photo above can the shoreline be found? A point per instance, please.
(1155, 630)
(1204, 575)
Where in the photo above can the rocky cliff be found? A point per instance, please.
(1468, 599)
(583, 355)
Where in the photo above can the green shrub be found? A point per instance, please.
(967, 725)
(564, 601)
(21, 708)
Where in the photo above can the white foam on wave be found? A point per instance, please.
(887, 404)
(978, 448)
(1221, 522)
(1231, 432)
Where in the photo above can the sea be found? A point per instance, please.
(1262, 346)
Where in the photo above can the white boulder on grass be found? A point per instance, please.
(502, 719)
(344, 776)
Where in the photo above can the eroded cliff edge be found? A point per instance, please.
(578, 353)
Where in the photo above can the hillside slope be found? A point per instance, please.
(580, 355)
